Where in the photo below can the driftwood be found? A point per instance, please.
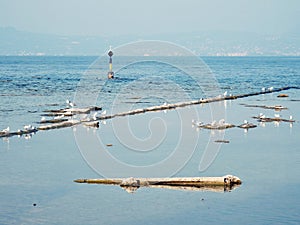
(275, 107)
(217, 127)
(221, 125)
(73, 111)
(247, 125)
(276, 119)
(68, 123)
(282, 96)
(222, 141)
(194, 102)
(53, 120)
(18, 133)
(92, 124)
(196, 183)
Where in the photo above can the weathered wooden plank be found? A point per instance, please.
(173, 181)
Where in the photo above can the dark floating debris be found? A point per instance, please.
(92, 124)
(277, 118)
(247, 125)
(68, 123)
(225, 183)
(275, 107)
(71, 111)
(282, 96)
(222, 141)
(53, 120)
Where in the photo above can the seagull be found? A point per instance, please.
(95, 116)
(261, 115)
(271, 88)
(225, 94)
(222, 122)
(27, 127)
(277, 115)
(104, 112)
(72, 104)
(165, 104)
(213, 123)
(291, 117)
(43, 118)
(6, 130)
(245, 121)
(263, 89)
(27, 136)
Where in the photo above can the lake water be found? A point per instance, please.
(37, 173)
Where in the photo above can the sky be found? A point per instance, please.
(140, 17)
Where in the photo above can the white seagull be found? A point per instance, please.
(72, 104)
(104, 112)
(221, 122)
(6, 130)
(95, 116)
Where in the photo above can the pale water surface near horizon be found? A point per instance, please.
(41, 170)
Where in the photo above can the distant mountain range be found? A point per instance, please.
(211, 43)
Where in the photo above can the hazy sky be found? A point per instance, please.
(115, 17)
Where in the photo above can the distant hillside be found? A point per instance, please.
(212, 43)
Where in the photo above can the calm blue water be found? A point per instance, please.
(41, 170)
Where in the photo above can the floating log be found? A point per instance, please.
(247, 125)
(275, 107)
(71, 111)
(217, 126)
(53, 120)
(68, 123)
(180, 182)
(18, 133)
(276, 119)
(92, 124)
(222, 141)
(282, 96)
